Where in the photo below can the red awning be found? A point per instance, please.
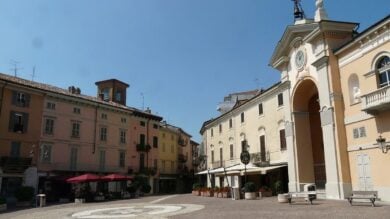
(84, 178)
(116, 177)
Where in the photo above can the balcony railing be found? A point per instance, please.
(261, 158)
(376, 101)
(143, 147)
(15, 164)
(217, 164)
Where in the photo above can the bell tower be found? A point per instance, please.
(112, 90)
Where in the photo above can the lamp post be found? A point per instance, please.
(382, 144)
(245, 157)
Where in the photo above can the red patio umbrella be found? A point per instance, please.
(116, 177)
(84, 178)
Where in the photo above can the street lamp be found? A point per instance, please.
(382, 144)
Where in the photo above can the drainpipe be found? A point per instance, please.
(95, 129)
(2, 97)
(147, 143)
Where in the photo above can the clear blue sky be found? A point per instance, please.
(184, 55)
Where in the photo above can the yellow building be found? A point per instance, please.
(364, 64)
(175, 158)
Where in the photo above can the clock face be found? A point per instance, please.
(300, 59)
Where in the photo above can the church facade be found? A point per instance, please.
(338, 104)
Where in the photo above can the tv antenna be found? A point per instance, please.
(15, 67)
(33, 73)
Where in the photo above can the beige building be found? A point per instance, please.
(257, 125)
(364, 65)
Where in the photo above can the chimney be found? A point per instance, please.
(78, 90)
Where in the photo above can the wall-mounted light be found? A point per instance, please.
(382, 144)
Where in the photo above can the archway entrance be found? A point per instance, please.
(308, 131)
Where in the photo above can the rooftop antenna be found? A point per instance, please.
(299, 14)
(15, 68)
(143, 100)
(33, 74)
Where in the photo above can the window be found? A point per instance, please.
(230, 123)
(142, 139)
(221, 155)
(359, 132)
(105, 92)
(212, 132)
(18, 122)
(123, 120)
(280, 99)
(163, 135)
(50, 105)
(172, 137)
(172, 149)
(49, 126)
(104, 116)
(155, 126)
(15, 149)
(20, 99)
(172, 166)
(142, 123)
(282, 135)
(155, 141)
(231, 151)
(75, 129)
(212, 156)
(163, 147)
(163, 165)
(76, 110)
(122, 156)
(262, 148)
(141, 161)
(73, 158)
(260, 109)
(383, 68)
(242, 117)
(122, 137)
(45, 153)
(220, 128)
(103, 133)
(118, 95)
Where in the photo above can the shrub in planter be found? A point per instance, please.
(25, 194)
(249, 189)
(2, 200)
(145, 188)
(264, 191)
(3, 204)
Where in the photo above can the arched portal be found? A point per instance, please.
(309, 141)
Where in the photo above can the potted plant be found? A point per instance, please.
(278, 187)
(225, 192)
(250, 189)
(131, 190)
(210, 192)
(24, 195)
(217, 193)
(196, 189)
(264, 191)
(3, 204)
(146, 188)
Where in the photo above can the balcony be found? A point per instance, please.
(376, 101)
(182, 142)
(15, 164)
(261, 158)
(217, 164)
(143, 147)
(182, 158)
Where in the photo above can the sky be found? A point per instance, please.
(180, 57)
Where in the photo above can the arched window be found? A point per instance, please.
(383, 68)
(354, 89)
